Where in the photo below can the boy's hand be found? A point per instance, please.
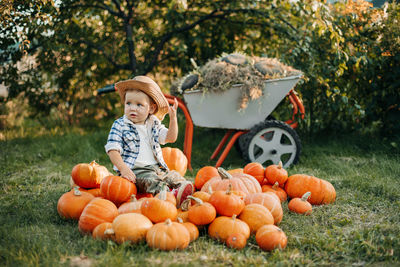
(172, 109)
(128, 174)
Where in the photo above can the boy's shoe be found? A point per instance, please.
(183, 191)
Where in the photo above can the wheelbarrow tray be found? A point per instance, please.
(220, 109)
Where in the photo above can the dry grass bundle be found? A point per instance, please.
(220, 74)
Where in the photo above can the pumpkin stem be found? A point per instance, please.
(168, 222)
(234, 217)
(275, 186)
(109, 231)
(198, 200)
(306, 196)
(179, 219)
(224, 174)
(163, 193)
(76, 191)
(133, 198)
(280, 165)
(93, 163)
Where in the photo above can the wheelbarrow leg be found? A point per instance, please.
(228, 147)
(221, 144)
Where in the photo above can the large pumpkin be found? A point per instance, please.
(168, 235)
(239, 181)
(203, 175)
(71, 204)
(98, 210)
(268, 200)
(88, 175)
(175, 159)
(117, 189)
(131, 227)
(223, 227)
(322, 192)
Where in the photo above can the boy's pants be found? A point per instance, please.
(152, 179)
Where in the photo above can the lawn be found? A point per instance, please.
(361, 228)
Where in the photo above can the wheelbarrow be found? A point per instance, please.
(260, 138)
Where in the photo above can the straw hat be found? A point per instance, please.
(147, 86)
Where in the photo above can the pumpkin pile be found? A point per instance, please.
(232, 205)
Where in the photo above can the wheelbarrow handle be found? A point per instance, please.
(106, 89)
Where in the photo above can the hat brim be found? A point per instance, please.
(152, 90)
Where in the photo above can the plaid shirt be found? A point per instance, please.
(124, 138)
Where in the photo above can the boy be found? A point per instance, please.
(134, 140)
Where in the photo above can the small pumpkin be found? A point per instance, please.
(117, 189)
(276, 173)
(97, 211)
(168, 197)
(71, 204)
(233, 171)
(131, 206)
(175, 159)
(168, 235)
(99, 232)
(222, 227)
(236, 241)
(322, 192)
(256, 215)
(276, 190)
(301, 205)
(183, 211)
(226, 203)
(268, 200)
(89, 175)
(131, 227)
(204, 196)
(239, 181)
(192, 229)
(256, 170)
(270, 237)
(203, 175)
(201, 213)
(157, 209)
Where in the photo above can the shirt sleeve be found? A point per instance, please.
(162, 133)
(114, 140)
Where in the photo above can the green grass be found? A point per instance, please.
(361, 228)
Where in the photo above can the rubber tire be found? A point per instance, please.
(246, 139)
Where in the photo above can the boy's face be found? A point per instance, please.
(138, 106)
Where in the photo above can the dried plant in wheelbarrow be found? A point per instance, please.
(248, 72)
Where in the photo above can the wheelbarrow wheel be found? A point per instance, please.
(269, 142)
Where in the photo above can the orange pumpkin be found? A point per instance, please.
(226, 203)
(175, 159)
(322, 192)
(88, 175)
(256, 170)
(301, 205)
(238, 170)
(131, 206)
(276, 173)
(204, 196)
(276, 190)
(157, 209)
(201, 213)
(117, 189)
(256, 215)
(168, 236)
(99, 232)
(96, 192)
(222, 227)
(203, 175)
(270, 237)
(192, 229)
(168, 197)
(71, 204)
(236, 241)
(131, 227)
(268, 200)
(239, 181)
(97, 211)
(183, 211)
